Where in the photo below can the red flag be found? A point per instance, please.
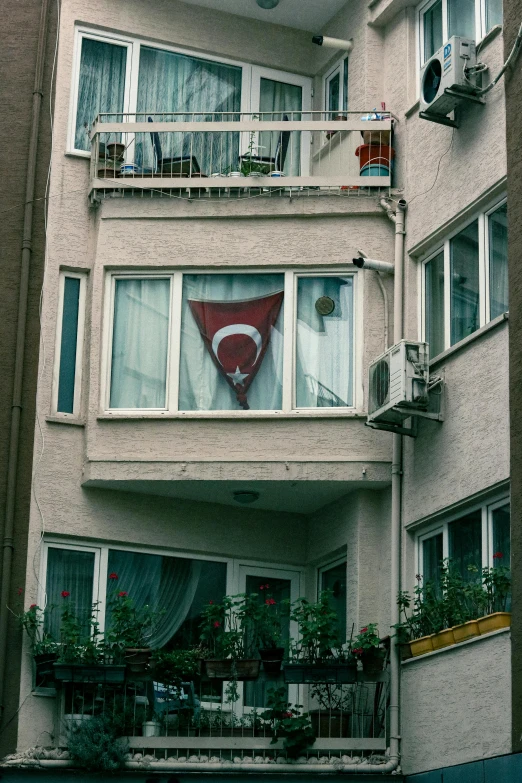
(236, 335)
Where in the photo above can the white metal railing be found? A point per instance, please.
(241, 155)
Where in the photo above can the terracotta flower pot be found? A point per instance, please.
(465, 631)
(494, 622)
(227, 669)
(373, 660)
(272, 658)
(443, 638)
(422, 645)
(138, 659)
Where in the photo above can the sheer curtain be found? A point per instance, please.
(324, 375)
(201, 386)
(140, 343)
(280, 99)
(167, 584)
(434, 271)
(71, 571)
(498, 262)
(464, 253)
(170, 82)
(461, 18)
(102, 85)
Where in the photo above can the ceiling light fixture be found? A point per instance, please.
(267, 3)
(245, 497)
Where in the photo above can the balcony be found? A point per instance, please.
(240, 156)
(193, 726)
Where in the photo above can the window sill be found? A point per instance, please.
(48, 693)
(77, 154)
(496, 30)
(413, 109)
(245, 415)
(453, 647)
(75, 421)
(469, 339)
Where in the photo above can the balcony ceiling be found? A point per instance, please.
(309, 15)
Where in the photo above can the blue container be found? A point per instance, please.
(375, 170)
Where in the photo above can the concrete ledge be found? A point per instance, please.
(455, 647)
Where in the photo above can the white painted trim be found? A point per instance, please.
(80, 334)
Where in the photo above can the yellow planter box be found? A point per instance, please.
(465, 631)
(421, 646)
(494, 622)
(443, 638)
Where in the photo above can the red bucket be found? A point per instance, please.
(374, 154)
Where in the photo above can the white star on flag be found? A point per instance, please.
(238, 377)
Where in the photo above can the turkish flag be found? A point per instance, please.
(236, 335)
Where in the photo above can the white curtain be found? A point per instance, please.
(202, 387)
(281, 99)
(498, 262)
(101, 88)
(70, 571)
(170, 82)
(167, 584)
(324, 374)
(434, 271)
(140, 343)
(465, 313)
(461, 18)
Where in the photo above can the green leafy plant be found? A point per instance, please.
(227, 629)
(249, 164)
(172, 667)
(497, 586)
(33, 623)
(96, 744)
(319, 638)
(366, 639)
(287, 723)
(129, 626)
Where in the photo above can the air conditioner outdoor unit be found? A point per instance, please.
(399, 383)
(442, 77)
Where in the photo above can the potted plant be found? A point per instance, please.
(367, 646)
(318, 655)
(97, 745)
(288, 724)
(263, 617)
(497, 588)
(224, 632)
(43, 646)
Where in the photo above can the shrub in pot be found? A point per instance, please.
(287, 723)
(367, 646)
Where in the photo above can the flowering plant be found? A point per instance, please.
(287, 723)
(33, 621)
(367, 639)
(226, 628)
(129, 626)
(318, 625)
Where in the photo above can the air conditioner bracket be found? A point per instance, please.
(396, 429)
(441, 119)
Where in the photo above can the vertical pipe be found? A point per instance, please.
(16, 408)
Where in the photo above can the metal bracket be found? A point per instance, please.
(397, 430)
(440, 119)
(465, 96)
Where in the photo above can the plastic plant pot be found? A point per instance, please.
(421, 646)
(494, 622)
(443, 638)
(465, 631)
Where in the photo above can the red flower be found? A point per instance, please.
(65, 594)
(358, 651)
(498, 555)
(217, 624)
(122, 594)
(33, 606)
(287, 715)
(270, 602)
(266, 587)
(210, 603)
(261, 587)
(113, 575)
(363, 630)
(20, 590)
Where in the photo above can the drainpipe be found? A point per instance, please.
(16, 408)
(398, 218)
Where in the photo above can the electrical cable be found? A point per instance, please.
(437, 172)
(481, 67)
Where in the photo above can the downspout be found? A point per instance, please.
(398, 218)
(16, 408)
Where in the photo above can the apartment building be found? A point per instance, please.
(204, 380)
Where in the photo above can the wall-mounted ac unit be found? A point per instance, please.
(442, 82)
(399, 383)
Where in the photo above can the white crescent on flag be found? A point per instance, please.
(226, 331)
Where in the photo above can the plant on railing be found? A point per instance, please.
(78, 643)
(367, 647)
(33, 622)
(172, 667)
(497, 586)
(249, 165)
(96, 744)
(287, 723)
(318, 626)
(130, 627)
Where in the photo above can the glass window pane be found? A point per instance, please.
(69, 339)
(501, 536)
(345, 84)
(177, 588)
(461, 19)
(232, 342)
(431, 549)
(324, 370)
(101, 88)
(434, 326)
(281, 100)
(498, 262)
(140, 344)
(432, 19)
(465, 544)
(73, 572)
(493, 13)
(465, 312)
(334, 579)
(334, 94)
(169, 82)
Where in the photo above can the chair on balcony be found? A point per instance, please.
(177, 166)
(277, 162)
(170, 702)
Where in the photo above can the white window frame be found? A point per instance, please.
(250, 82)
(480, 25)
(82, 277)
(338, 68)
(484, 271)
(289, 350)
(434, 529)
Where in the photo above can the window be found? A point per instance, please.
(69, 342)
(465, 282)
(479, 538)
(336, 88)
(333, 577)
(225, 342)
(439, 20)
(164, 80)
(177, 587)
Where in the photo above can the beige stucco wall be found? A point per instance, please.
(457, 704)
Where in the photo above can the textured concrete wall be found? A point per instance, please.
(458, 705)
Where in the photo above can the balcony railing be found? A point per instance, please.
(232, 155)
(196, 724)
